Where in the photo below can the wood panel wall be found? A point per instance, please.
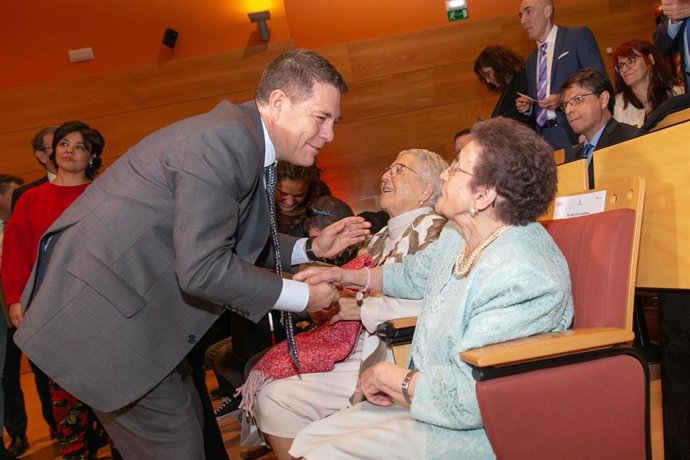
(413, 90)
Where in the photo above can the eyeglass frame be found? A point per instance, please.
(455, 166)
(628, 63)
(576, 100)
(397, 166)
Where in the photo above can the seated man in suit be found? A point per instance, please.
(588, 105)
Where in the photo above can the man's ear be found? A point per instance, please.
(604, 98)
(41, 156)
(276, 102)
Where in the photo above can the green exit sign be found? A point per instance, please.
(455, 15)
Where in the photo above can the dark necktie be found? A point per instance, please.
(286, 318)
(587, 152)
(541, 83)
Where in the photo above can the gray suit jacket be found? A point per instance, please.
(141, 265)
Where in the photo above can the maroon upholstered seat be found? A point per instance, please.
(591, 402)
(597, 248)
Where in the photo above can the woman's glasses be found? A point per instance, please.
(397, 168)
(455, 167)
(629, 63)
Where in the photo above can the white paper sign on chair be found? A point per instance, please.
(579, 205)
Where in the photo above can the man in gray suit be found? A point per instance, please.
(139, 267)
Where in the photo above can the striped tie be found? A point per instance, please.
(541, 84)
(286, 318)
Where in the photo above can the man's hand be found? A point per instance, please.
(321, 296)
(349, 311)
(523, 104)
(550, 103)
(16, 314)
(335, 238)
(676, 10)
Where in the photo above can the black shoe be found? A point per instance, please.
(229, 406)
(19, 445)
(4, 453)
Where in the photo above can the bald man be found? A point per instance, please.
(560, 53)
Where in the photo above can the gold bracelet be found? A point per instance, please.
(404, 387)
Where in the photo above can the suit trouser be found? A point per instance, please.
(166, 423)
(16, 420)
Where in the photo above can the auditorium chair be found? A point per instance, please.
(581, 393)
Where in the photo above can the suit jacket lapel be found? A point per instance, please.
(532, 73)
(558, 49)
(605, 139)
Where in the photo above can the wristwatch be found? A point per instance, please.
(308, 249)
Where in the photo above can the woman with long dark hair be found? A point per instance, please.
(643, 80)
(502, 70)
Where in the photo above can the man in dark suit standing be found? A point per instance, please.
(134, 273)
(588, 104)
(42, 143)
(560, 52)
(15, 409)
(672, 35)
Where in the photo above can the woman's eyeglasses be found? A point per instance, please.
(629, 63)
(455, 167)
(397, 168)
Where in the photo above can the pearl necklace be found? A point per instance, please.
(463, 265)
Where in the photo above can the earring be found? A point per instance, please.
(421, 202)
(473, 212)
(91, 163)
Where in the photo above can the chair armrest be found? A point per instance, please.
(397, 331)
(546, 345)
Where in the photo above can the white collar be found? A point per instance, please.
(551, 37)
(398, 224)
(270, 155)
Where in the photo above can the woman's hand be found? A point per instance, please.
(338, 236)
(382, 382)
(316, 275)
(16, 313)
(523, 104)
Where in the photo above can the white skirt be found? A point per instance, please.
(366, 431)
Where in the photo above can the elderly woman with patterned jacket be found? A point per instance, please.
(409, 188)
(493, 275)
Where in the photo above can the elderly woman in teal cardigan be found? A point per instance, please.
(493, 275)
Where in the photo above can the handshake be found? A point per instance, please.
(325, 302)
